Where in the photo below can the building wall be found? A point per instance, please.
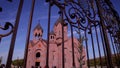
(55, 50)
(33, 50)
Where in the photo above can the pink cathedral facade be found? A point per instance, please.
(38, 46)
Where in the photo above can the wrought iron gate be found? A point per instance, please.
(95, 20)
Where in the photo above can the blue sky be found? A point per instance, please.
(40, 16)
(9, 14)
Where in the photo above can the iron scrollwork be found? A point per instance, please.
(111, 19)
(80, 14)
(88, 14)
(84, 14)
(6, 27)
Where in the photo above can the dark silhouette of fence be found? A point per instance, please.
(96, 19)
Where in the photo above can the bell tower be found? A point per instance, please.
(58, 30)
(38, 32)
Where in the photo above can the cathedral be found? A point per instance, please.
(37, 48)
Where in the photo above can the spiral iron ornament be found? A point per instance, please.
(6, 27)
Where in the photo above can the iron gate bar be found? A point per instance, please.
(107, 45)
(113, 46)
(63, 57)
(86, 42)
(98, 45)
(48, 30)
(118, 44)
(10, 54)
(93, 47)
(103, 43)
(80, 39)
(12, 44)
(116, 15)
(28, 33)
(71, 27)
(73, 55)
(103, 27)
(117, 47)
(79, 31)
(115, 54)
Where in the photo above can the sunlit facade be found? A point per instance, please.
(38, 47)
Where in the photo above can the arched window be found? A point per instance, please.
(35, 34)
(51, 36)
(39, 35)
(37, 54)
